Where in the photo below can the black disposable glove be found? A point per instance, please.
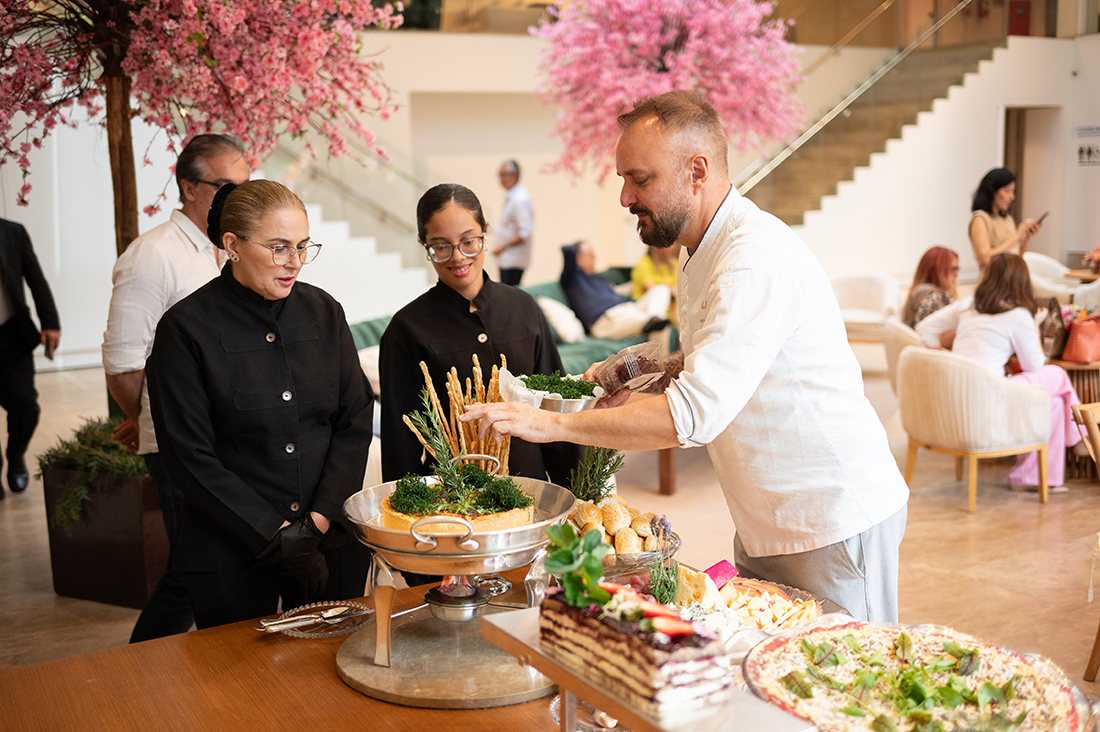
(294, 549)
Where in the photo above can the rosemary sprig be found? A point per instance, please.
(590, 480)
(446, 469)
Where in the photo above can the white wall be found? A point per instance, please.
(917, 194)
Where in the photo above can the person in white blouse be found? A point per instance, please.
(999, 321)
(770, 385)
(158, 269)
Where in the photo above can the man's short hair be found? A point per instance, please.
(511, 166)
(688, 116)
(189, 165)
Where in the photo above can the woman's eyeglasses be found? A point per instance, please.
(281, 254)
(471, 247)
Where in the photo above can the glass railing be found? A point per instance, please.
(377, 198)
(934, 55)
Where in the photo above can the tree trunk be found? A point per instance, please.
(121, 145)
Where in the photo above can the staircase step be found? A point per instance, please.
(847, 142)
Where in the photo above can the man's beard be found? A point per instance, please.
(663, 230)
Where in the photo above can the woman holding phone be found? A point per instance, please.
(992, 228)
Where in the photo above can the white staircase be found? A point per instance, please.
(368, 283)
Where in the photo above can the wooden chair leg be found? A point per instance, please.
(1094, 659)
(666, 468)
(973, 483)
(959, 467)
(911, 460)
(1043, 489)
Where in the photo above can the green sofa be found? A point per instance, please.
(575, 357)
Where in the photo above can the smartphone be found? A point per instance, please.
(1040, 219)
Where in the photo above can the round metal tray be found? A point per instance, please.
(466, 553)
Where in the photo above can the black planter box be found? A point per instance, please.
(118, 550)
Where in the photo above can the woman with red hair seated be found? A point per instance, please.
(935, 285)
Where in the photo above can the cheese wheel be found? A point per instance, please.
(641, 526)
(627, 542)
(615, 518)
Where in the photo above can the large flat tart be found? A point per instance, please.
(512, 519)
(861, 676)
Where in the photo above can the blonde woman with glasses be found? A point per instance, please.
(264, 419)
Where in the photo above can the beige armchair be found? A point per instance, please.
(896, 336)
(951, 405)
(866, 300)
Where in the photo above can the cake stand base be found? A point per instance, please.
(439, 664)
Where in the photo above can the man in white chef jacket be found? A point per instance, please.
(769, 384)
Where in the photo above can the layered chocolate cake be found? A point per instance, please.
(638, 650)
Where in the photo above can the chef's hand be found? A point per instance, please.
(294, 549)
(511, 418)
(617, 399)
(127, 435)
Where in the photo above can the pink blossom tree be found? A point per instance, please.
(603, 55)
(256, 69)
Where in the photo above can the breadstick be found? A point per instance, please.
(408, 422)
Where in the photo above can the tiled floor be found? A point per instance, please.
(1015, 573)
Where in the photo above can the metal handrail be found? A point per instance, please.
(860, 26)
(765, 167)
(383, 214)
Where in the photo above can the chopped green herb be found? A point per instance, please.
(557, 384)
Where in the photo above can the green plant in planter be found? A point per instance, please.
(97, 462)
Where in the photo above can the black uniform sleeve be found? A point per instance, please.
(402, 382)
(352, 431)
(182, 416)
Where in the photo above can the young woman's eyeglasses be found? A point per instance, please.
(471, 247)
(281, 254)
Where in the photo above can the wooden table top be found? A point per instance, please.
(1084, 275)
(228, 678)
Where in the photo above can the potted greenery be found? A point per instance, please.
(106, 533)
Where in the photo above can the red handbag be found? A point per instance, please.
(1083, 343)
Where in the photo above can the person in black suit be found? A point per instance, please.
(19, 336)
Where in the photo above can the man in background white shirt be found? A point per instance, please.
(156, 271)
(769, 382)
(516, 225)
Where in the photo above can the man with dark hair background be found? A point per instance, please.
(516, 226)
(156, 271)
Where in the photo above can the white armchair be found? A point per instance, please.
(1045, 288)
(1044, 266)
(1087, 295)
(951, 405)
(896, 336)
(866, 300)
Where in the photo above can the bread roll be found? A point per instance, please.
(627, 542)
(620, 499)
(615, 518)
(652, 543)
(606, 500)
(650, 515)
(641, 526)
(587, 513)
(634, 513)
(593, 526)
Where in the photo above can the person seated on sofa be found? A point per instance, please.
(657, 267)
(1001, 320)
(604, 312)
(935, 285)
(463, 315)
